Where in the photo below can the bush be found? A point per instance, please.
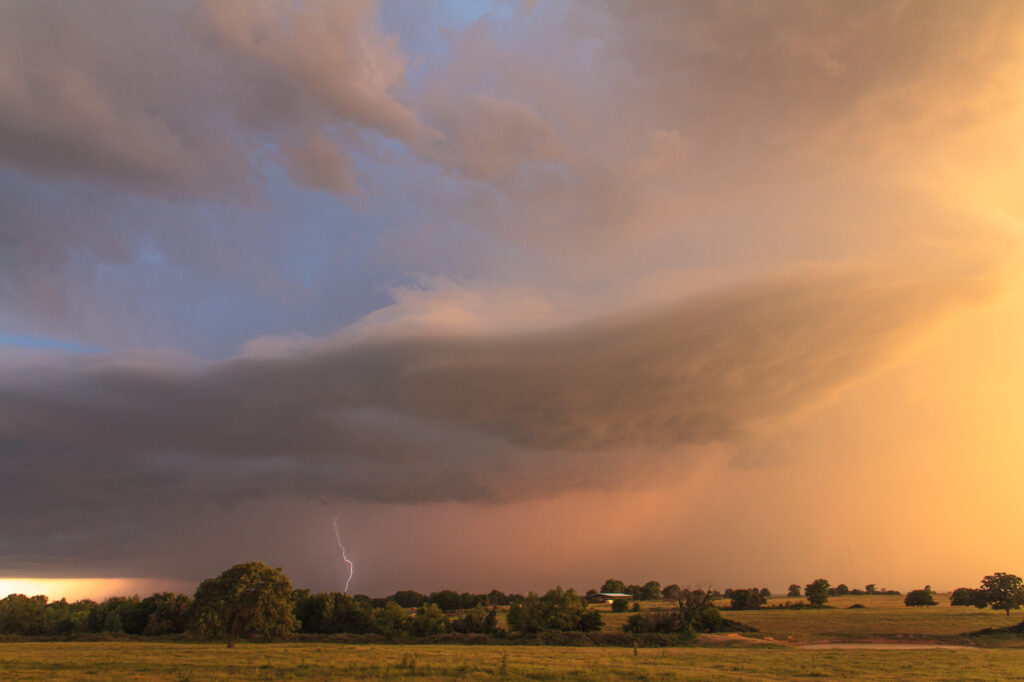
(620, 605)
(965, 596)
(920, 598)
(557, 610)
(746, 599)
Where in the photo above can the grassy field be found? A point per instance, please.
(166, 661)
(772, 653)
(884, 617)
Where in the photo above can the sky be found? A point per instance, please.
(521, 293)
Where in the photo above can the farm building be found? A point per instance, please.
(607, 597)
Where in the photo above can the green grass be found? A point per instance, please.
(180, 661)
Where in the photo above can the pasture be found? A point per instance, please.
(776, 651)
(315, 661)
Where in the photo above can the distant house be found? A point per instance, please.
(607, 597)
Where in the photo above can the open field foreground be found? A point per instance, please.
(167, 661)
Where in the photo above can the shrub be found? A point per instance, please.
(965, 596)
(557, 610)
(920, 598)
(746, 599)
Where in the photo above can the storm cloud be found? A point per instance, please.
(414, 417)
(415, 257)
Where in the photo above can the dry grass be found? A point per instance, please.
(885, 617)
(721, 657)
(166, 661)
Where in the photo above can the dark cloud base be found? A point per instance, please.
(120, 442)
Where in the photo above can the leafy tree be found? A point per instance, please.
(350, 614)
(697, 612)
(56, 618)
(620, 605)
(613, 586)
(590, 621)
(315, 612)
(766, 593)
(390, 620)
(920, 597)
(446, 600)
(497, 598)
(478, 620)
(63, 618)
(246, 600)
(21, 615)
(965, 596)
(557, 610)
(409, 599)
(165, 613)
(746, 599)
(639, 622)
(1003, 591)
(429, 620)
(870, 588)
(817, 592)
(794, 590)
(671, 592)
(842, 590)
(651, 591)
(117, 614)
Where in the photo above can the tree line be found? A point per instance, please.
(255, 600)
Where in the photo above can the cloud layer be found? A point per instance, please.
(414, 417)
(435, 255)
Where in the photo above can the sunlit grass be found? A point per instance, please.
(179, 661)
(884, 617)
(774, 656)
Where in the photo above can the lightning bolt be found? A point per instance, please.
(351, 566)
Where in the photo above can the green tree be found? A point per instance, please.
(620, 605)
(613, 586)
(842, 590)
(920, 597)
(478, 620)
(965, 596)
(651, 591)
(671, 592)
(391, 620)
(246, 600)
(557, 610)
(446, 600)
(350, 614)
(817, 592)
(429, 620)
(870, 588)
(1003, 591)
(697, 611)
(21, 615)
(409, 599)
(746, 599)
(794, 590)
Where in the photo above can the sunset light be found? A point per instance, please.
(502, 296)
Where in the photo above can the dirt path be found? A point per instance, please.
(880, 645)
